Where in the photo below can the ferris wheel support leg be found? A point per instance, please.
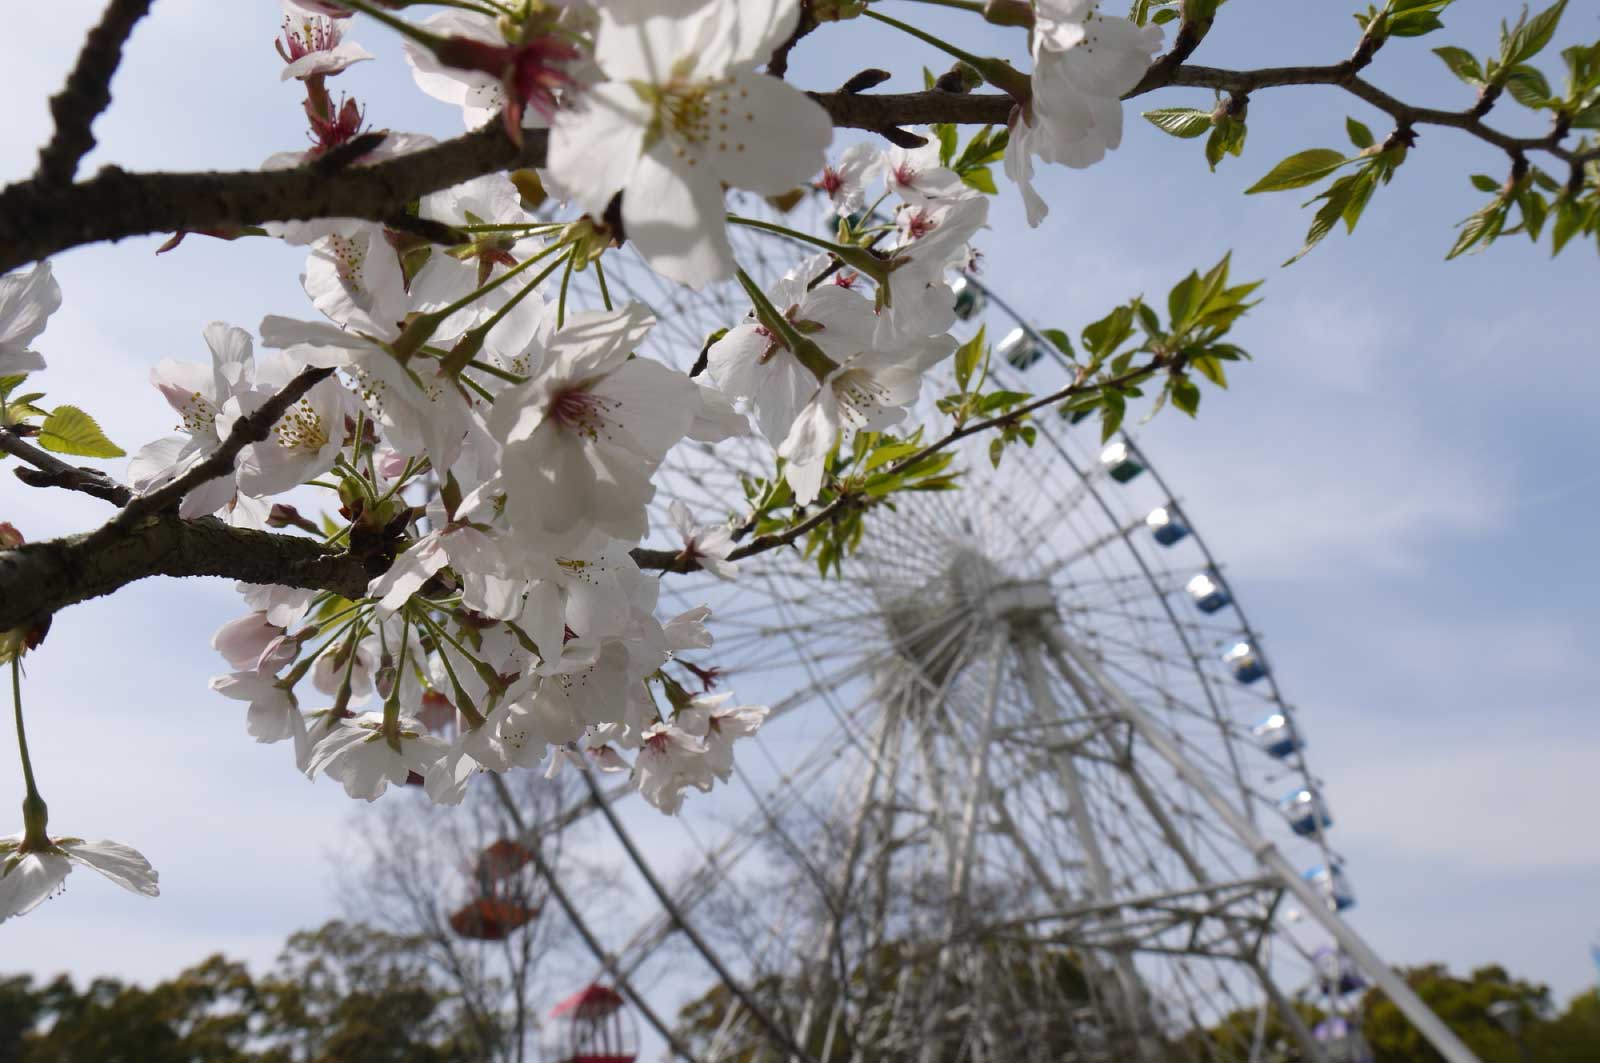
(830, 942)
(1169, 830)
(1267, 854)
(1133, 996)
(960, 855)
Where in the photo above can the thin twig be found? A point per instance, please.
(50, 471)
(87, 91)
(675, 561)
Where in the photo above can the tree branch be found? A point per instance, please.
(246, 430)
(38, 219)
(50, 471)
(675, 561)
(39, 579)
(87, 91)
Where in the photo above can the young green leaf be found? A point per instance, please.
(968, 355)
(1360, 135)
(1462, 64)
(1299, 170)
(1528, 38)
(1185, 122)
(68, 430)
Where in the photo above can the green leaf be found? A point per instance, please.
(947, 142)
(1360, 135)
(68, 430)
(1164, 16)
(1484, 183)
(1183, 300)
(1462, 64)
(8, 384)
(1185, 395)
(1299, 170)
(980, 178)
(1184, 122)
(1481, 227)
(1227, 138)
(1569, 219)
(968, 355)
(887, 453)
(1062, 341)
(997, 447)
(1336, 199)
(1530, 36)
(1414, 24)
(1112, 410)
(1528, 87)
(1210, 367)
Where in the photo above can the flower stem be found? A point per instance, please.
(997, 72)
(776, 322)
(35, 813)
(857, 258)
(600, 278)
(561, 302)
(961, 5)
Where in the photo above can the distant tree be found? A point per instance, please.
(1463, 1004)
(1573, 1035)
(344, 993)
(201, 1016)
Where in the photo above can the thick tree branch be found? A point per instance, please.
(50, 471)
(87, 91)
(38, 219)
(39, 579)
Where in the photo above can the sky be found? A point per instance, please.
(1401, 485)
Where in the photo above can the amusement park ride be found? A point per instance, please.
(1029, 789)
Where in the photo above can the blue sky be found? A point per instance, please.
(1401, 484)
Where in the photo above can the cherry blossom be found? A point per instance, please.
(846, 183)
(707, 718)
(917, 176)
(582, 438)
(205, 398)
(27, 879)
(868, 393)
(313, 44)
(1083, 63)
(683, 114)
(366, 758)
(670, 761)
(707, 545)
(26, 302)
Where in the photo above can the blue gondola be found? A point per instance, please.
(1342, 1040)
(1306, 812)
(1119, 462)
(1019, 348)
(1165, 524)
(1336, 972)
(1207, 593)
(1277, 736)
(1245, 662)
(970, 299)
(1330, 882)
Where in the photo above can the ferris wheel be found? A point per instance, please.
(1029, 789)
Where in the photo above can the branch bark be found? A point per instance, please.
(39, 219)
(39, 579)
(87, 91)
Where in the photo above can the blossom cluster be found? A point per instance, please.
(491, 451)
